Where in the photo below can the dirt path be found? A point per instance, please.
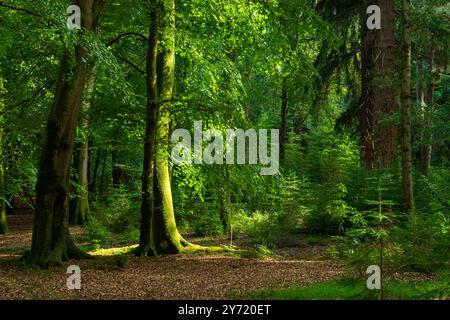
(171, 277)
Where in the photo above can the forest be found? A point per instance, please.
(225, 149)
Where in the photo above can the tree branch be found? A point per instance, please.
(4, 5)
(131, 64)
(110, 43)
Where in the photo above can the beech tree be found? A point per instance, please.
(79, 211)
(159, 233)
(51, 242)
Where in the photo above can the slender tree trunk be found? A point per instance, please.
(367, 108)
(73, 172)
(118, 172)
(283, 129)
(51, 241)
(427, 137)
(93, 181)
(82, 207)
(102, 177)
(405, 114)
(145, 242)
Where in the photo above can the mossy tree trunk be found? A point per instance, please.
(82, 211)
(51, 241)
(145, 242)
(405, 114)
(159, 233)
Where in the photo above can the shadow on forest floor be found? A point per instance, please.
(116, 274)
(113, 274)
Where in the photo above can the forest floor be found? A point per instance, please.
(185, 276)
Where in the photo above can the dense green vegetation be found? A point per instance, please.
(86, 118)
(354, 290)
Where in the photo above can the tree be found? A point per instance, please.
(159, 233)
(379, 134)
(405, 113)
(425, 147)
(79, 212)
(51, 241)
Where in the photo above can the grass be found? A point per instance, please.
(349, 289)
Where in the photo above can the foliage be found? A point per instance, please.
(350, 289)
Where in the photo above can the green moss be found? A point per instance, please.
(113, 251)
(196, 249)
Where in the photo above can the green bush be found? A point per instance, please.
(115, 219)
(208, 224)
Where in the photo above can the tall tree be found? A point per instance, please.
(79, 206)
(159, 233)
(378, 142)
(51, 241)
(405, 113)
(384, 86)
(428, 108)
(145, 241)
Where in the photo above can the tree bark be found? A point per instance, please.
(367, 108)
(93, 180)
(162, 237)
(51, 241)
(145, 241)
(427, 136)
(384, 89)
(82, 212)
(166, 238)
(405, 114)
(102, 177)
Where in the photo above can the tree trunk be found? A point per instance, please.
(162, 237)
(283, 129)
(51, 241)
(367, 108)
(82, 207)
(93, 180)
(145, 241)
(405, 114)
(384, 89)
(427, 136)
(166, 238)
(73, 218)
(102, 177)
(118, 172)
(378, 142)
